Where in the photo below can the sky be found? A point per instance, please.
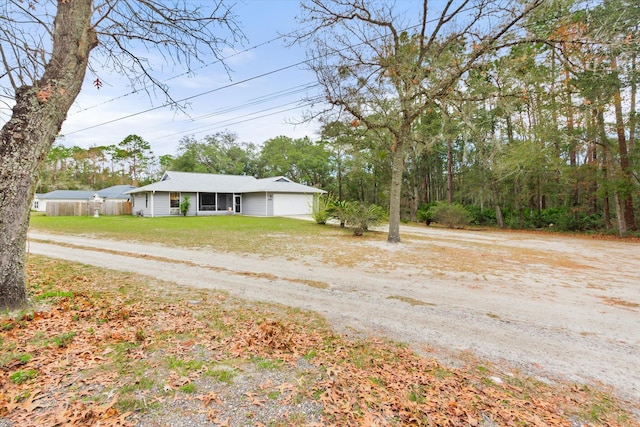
(260, 99)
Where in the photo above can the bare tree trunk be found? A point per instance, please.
(340, 177)
(632, 102)
(499, 217)
(396, 193)
(415, 202)
(625, 167)
(605, 178)
(622, 226)
(26, 138)
(449, 171)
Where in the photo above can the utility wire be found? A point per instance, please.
(295, 105)
(251, 102)
(186, 73)
(189, 97)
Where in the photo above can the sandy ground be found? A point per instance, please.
(546, 305)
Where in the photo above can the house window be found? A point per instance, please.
(146, 200)
(207, 201)
(225, 201)
(174, 199)
(35, 204)
(215, 201)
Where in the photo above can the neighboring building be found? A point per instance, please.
(211, 194)
(109, 200)
(117, 192)
(37, 204)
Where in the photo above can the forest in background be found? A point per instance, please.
(542, 135)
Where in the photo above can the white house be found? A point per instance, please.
(37, 204)
(211, 194)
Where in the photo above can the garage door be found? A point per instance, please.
(292, 204)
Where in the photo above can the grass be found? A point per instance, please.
(295, 239)
(266, 364)
(222, 373)
(287, 237)
(227, 233)
(64, 339)
(20, 376)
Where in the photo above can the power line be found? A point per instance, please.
(245, 118)
(189, 97)
(186, 73)
(255, 101)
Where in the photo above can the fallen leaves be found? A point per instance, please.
(130, 347)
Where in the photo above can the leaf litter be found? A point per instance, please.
(114, 349)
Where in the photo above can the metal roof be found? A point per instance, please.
(278, 184)
(116, 192)
(68, 195)
(213, 183)
(113, 192)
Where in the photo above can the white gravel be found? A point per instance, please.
(578, 324)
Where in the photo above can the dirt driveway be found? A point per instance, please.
(551, 306)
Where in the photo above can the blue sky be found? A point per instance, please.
(234, 104)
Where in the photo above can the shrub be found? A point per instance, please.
(486, 216)
(424, 213)
(360, 216)
(450, 215)
(184, 205)
(339, 209)
(321, 205)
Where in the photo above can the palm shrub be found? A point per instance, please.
(184, 205)
(451, 215)
(424, 213)
(321, 206)
(360, 216)
(339, 209)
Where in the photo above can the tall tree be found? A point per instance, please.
(301, 160)
(385, 72)
(45, 50)
(138, 153)
(218, 153)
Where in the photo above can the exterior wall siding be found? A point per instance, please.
(257, 204)
(159, 202)
(193, 203)
(138, 206)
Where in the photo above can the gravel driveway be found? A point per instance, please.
(548, 305)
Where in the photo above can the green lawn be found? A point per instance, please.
(232, 233)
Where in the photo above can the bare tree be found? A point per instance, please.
(386, 71)
(45, 48)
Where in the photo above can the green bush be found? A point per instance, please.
(360, 216)
(321, 206)
(486, 216)
(184, 205)
(339, 209)
(424, 213)
(557, 219)
(450, 215)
